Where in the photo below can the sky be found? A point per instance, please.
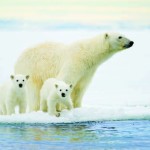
(85, 12)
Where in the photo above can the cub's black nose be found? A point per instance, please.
(20, 85)
(131, 43)
(63, 94)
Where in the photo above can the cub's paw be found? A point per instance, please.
(58, 114)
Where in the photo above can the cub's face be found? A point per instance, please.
(63, 90)
(19, 80)
(118, 42)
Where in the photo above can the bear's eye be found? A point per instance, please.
(17, 80)
(23, 80)
(60, 90)
(120, 37)
(66, 90)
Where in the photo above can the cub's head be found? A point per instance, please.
(19, 80)
(117, 41)
(63, 90)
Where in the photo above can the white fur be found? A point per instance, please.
(12, 95)
(51, 95)
(74, 64)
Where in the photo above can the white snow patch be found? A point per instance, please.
(84, 114)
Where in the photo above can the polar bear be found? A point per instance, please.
(53, 93)
(75, 63)
(14, 93)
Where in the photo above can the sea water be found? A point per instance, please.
(133, 135)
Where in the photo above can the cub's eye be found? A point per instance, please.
(66, 90)
(60, 90)
(120, 37)
(17, 80)
(23, 80)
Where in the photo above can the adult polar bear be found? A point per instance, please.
(74, 64)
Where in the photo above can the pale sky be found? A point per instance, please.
(76, 11)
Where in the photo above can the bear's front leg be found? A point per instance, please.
(60, 106)
(69, 104)
(77, 95)
(80, 88)
(52, 107)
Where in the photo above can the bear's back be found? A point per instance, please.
(35, 61)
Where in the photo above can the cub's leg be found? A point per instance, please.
(52, 107)
(10, 107)
(22, 107)
(69, 104)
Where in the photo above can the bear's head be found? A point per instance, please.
(117, 41)
(19, 80)
(63, 90)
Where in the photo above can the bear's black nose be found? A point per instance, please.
(63, 94)
(20, 85)
(131, 43)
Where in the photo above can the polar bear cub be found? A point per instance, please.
(55, 92)
(14, 93)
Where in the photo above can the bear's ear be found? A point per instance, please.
(56, 85)
(27, 77)
(70, 86)
(12, 77)
(106, 36)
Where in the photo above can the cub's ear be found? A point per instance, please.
(56, 85)
(27, 77)
(70, 86)
(12, 77)
(106, 36)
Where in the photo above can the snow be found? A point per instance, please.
(84, 114)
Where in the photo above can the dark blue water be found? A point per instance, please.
(78, 136)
